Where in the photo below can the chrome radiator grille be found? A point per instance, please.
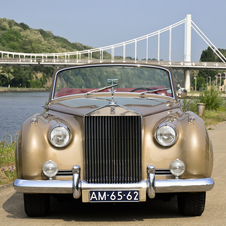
(113, 149)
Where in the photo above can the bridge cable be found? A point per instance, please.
(208, 42)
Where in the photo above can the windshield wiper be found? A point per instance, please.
(100, 89)
(151, 91)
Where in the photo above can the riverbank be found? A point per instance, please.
(24, 90)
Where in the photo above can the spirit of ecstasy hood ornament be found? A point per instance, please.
(112, 102)
(112, 81)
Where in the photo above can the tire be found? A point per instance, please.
(37, 205)
(191, 204)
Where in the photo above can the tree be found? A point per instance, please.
(21, 76)
(206, 56)
(200, 82)
(6, 74)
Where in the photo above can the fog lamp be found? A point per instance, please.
(50, 169)
(177, 167)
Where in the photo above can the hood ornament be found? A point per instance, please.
(112, 102)
(112, 81)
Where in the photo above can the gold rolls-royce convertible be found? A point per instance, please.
(114, 132)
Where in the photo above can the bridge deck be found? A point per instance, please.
(26, 62)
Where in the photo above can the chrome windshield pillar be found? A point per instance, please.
(76, 181)
(151, 181)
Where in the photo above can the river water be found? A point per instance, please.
(15, 108)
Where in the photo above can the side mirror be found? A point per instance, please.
(182, 93)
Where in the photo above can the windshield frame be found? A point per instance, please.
(51, 98)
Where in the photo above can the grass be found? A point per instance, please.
(213, 117)
(7, 162)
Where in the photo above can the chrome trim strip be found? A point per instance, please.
(157, 172)
(160, 172)
(161, 186)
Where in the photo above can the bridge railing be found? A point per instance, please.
(64, 62)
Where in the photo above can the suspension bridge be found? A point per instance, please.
(86, 56)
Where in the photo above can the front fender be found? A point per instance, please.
(193, 145)
(34, 149)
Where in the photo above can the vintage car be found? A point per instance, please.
(114, 132)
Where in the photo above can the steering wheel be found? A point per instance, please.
(148, 89)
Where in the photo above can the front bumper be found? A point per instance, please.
(150, 186)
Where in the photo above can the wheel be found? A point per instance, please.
(37, 205)
(191, 204)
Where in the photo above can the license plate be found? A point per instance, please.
(114, 196)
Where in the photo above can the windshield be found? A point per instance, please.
(94, 79)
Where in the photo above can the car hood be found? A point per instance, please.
(144, 106)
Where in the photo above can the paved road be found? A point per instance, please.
(151, 213)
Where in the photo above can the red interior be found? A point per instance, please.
(70, 91)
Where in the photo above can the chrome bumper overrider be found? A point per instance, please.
(76, 186)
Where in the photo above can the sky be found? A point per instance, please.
(99, 23)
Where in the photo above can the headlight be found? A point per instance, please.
(177, 167)
(50, 169)
(59, 136)
(166, 134)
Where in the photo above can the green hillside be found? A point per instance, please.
(19, 37)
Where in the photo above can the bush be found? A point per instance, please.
(35, 83)
(189, 104)
(212, 98)
(10, 172)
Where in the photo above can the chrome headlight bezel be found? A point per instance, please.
(66, 129)
(166, 125)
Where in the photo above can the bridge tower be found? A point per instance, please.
(187, 50)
